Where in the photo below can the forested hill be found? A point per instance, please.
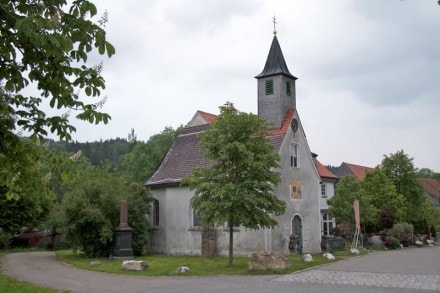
(133, 159)
(98, 151)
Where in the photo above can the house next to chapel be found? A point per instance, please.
(305, 182)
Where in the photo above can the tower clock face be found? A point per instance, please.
(294, 125)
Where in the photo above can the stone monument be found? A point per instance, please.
(123, 235)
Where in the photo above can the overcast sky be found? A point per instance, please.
(368, 70)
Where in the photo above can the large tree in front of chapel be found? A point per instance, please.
(237, 189)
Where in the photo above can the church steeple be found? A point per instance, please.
(276, 86)
(275, 63)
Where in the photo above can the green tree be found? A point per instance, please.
(400, 169)
(341, 204)
(144, 158)
(25, 196)
(89, 211)
(44, 51)
(45, 46)
(382, 193)
(237, 189)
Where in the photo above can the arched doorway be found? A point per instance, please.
(297, 230)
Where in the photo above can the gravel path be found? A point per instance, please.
(410, 270)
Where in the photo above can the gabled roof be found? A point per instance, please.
(430, 186)
(275, 63)
(185, 153)
(182, 157)
(201, 118)
(357, 170)
(324, 172)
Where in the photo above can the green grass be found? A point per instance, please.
(8, 284)
(163, 265)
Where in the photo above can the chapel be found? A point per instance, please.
(176, 228)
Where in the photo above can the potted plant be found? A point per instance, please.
(391, 242)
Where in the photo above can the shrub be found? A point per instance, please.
(391, 242)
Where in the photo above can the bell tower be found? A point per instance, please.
(276, 86)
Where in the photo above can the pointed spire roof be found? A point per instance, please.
(275, 63)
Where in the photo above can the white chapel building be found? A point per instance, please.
(176, 229)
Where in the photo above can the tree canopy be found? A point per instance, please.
(400, 169)
(45, 47)
(237, 189)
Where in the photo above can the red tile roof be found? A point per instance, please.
(286, 123)
(431, 186)
(323, 171)
(207, 116)
(358, 171)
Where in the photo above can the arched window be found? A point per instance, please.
(155, 212)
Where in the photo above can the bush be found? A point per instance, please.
(397, 230)
(386, 218)
(89, 213)
(391, 242)
(5, 239)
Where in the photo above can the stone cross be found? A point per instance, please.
(123, 222)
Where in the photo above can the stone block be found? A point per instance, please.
(268, 260)
(329, 256)
(307, 257)
(134, 265)
(181, 270)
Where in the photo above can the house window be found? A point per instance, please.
(327, 224)
(323, 190)
(197, 220)
(294, 155)
(269, 87)
(288, 88)
(295, 190)
(155, 212)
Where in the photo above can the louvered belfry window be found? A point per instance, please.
(269, 87)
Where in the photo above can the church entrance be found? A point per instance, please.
(297, 230)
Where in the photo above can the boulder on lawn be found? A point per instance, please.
(354, 251)
(134, 265)
(268, 260)
(418, 243)
(329, 256)
(181, 270)
(307, 257)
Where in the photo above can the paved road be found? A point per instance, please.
(412, 270)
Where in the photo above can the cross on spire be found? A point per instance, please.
(274, 20)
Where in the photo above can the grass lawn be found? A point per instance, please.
(163, 265)
(8, 284)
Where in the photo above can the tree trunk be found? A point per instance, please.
(231, 243)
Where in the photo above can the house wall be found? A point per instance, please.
(308, 206)
(330, 192)
(176, 235)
